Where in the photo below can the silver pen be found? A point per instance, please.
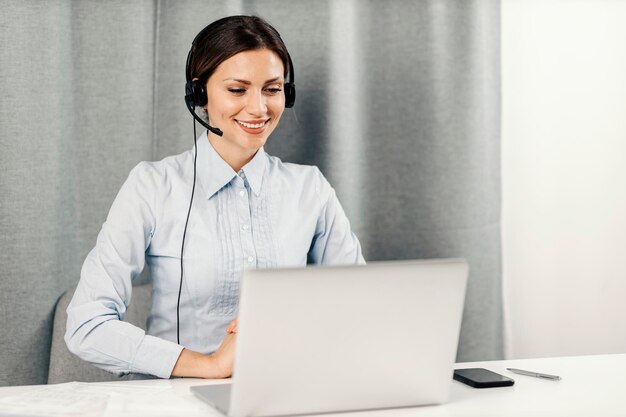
(535, 374)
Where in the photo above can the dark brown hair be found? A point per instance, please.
(230, 35)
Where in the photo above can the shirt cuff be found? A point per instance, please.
(156, 357)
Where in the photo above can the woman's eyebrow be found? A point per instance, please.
(246, 82)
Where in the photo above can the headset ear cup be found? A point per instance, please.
(199, 93)
(195, 93)
(290, 95)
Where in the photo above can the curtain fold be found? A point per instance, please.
(398, 104)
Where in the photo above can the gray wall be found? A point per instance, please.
(398, 104)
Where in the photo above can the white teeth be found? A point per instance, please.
(251, 125)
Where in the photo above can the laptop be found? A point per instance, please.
(344, 338)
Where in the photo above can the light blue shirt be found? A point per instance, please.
(270, 214)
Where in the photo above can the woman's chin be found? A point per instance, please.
(252, 142)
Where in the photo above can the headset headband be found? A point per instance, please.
(201, 77)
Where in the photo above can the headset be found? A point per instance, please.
(196, 96)
(195, 90)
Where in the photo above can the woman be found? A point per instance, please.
(250, 211)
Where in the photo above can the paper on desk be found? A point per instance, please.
(165, 404)
(70, 399)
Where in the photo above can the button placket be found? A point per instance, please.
(245, 230)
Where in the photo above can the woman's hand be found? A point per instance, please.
(217, 365)
(223, 358)
(232, 327)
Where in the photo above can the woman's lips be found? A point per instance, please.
(253, 126)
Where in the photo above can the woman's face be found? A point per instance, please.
(246, 99)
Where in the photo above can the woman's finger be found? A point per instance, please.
(232, 327)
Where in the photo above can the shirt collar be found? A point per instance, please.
(214, 173)
(254, 171)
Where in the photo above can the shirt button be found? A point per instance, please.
(242, 193)
(250, 259)
(245, 227)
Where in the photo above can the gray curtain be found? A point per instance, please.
(398, 104)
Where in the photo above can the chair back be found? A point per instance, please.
(67, 367)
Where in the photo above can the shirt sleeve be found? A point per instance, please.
(95, 330)
(334, 242)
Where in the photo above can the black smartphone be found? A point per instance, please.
(482, 378)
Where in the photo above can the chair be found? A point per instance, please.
(65, 366)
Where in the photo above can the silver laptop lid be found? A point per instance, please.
(326, 339)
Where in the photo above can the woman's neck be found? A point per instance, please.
(235, 156)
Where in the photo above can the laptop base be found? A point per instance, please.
(217, 396)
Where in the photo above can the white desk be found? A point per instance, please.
(591, 386)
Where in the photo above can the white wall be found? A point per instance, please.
(564, 176)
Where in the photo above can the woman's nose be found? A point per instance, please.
(256, 103)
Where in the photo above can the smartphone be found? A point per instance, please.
(482, 378)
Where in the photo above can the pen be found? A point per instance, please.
(535, 374)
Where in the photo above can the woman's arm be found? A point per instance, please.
(334, 242)
(95, 330)
(217, 365)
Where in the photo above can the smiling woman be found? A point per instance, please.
(245, 101)
(252, 211)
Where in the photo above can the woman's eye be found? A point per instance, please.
(274, 90)
(237, 90)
